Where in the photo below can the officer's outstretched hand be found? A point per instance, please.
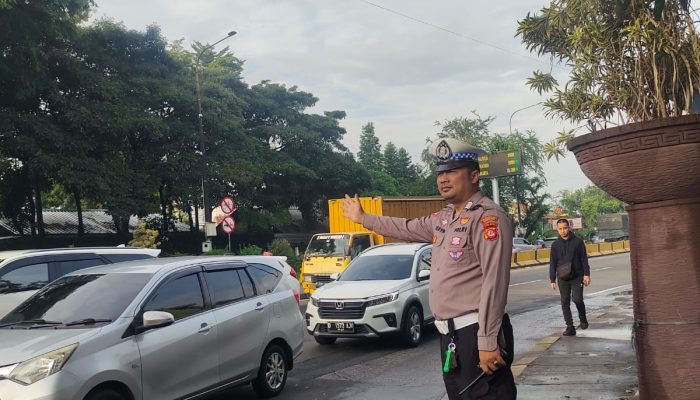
(490, 361)
(353, 209)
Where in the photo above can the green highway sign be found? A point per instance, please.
(504, 163)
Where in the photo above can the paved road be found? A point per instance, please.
(383, 369)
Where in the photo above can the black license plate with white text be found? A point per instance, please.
(341, 327)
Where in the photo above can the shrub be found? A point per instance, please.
(251, 250)
(144, 237)
(281, 247)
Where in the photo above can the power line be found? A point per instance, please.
(463, 36)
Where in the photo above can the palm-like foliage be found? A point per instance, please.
(632, 59)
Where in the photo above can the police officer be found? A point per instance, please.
(472, 244)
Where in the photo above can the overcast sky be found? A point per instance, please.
(399, 73)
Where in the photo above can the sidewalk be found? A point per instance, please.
(597, 363)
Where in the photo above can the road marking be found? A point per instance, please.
(524, 283)
(629, 285)
(601, 269)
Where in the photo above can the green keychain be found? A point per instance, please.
(450, 362)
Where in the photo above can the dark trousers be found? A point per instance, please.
(499, 386)
(572, 289)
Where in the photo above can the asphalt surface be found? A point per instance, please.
(383, 369)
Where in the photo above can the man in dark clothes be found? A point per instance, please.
(569, 248)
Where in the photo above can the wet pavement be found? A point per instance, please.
(597, 363)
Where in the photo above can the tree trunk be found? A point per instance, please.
(196, 216)
(163, 211)
(189, 218)
(79, 208)
(171, 207)
(308, 215)
(32, 213)
(121, 224)
(39, 212)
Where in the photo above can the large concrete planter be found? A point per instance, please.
(655, 167)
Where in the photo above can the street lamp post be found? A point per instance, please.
(200, 118)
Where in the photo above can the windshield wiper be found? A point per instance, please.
(88, 321)
(33, 322)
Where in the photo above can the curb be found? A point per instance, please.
(538, 349)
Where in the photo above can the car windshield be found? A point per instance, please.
(374, 268)
(328, 245)
(80, 297)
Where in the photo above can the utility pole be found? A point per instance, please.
(202, 145)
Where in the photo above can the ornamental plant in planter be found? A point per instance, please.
(634, 82)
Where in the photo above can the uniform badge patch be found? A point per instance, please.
(434, 214)
(444, 222)
(469, 205)
(464, 220)
(456, 255)
(490, 225)
(456, 240)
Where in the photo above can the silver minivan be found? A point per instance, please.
(165, 328)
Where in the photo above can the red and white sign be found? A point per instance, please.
(228, 225)
(228, 205)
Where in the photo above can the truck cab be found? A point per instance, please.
(328, 253)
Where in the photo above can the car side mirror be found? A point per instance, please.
(155, 319)
(334, 276)
(423, 275)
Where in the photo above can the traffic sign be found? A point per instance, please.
(228, 205)
(228, 225)
(504, 163)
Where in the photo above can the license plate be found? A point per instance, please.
(341, 327)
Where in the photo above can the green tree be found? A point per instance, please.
(370, 154)
(36, 38)
(588, 203)
(382, 184)
(529, 187)
(390, 160)
(406, 171)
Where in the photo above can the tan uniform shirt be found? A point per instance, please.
(470, 268)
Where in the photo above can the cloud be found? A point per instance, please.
(401, 74)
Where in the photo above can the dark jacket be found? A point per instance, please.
(574, 250)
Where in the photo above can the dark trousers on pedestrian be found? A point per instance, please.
(572, 290)
(498, 386)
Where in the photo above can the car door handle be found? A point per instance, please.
(260, 306)
(205, 328)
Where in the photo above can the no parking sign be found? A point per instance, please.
(228, 205)
(228, 225)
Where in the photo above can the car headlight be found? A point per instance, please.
(42, 366)
(314, 301)
(385, 298)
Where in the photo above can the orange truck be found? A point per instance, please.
(332, 251)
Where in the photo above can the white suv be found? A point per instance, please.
(383, 291)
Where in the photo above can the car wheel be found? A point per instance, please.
(325, 340)
(272, 374)
(413, 326)
(105, 394)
